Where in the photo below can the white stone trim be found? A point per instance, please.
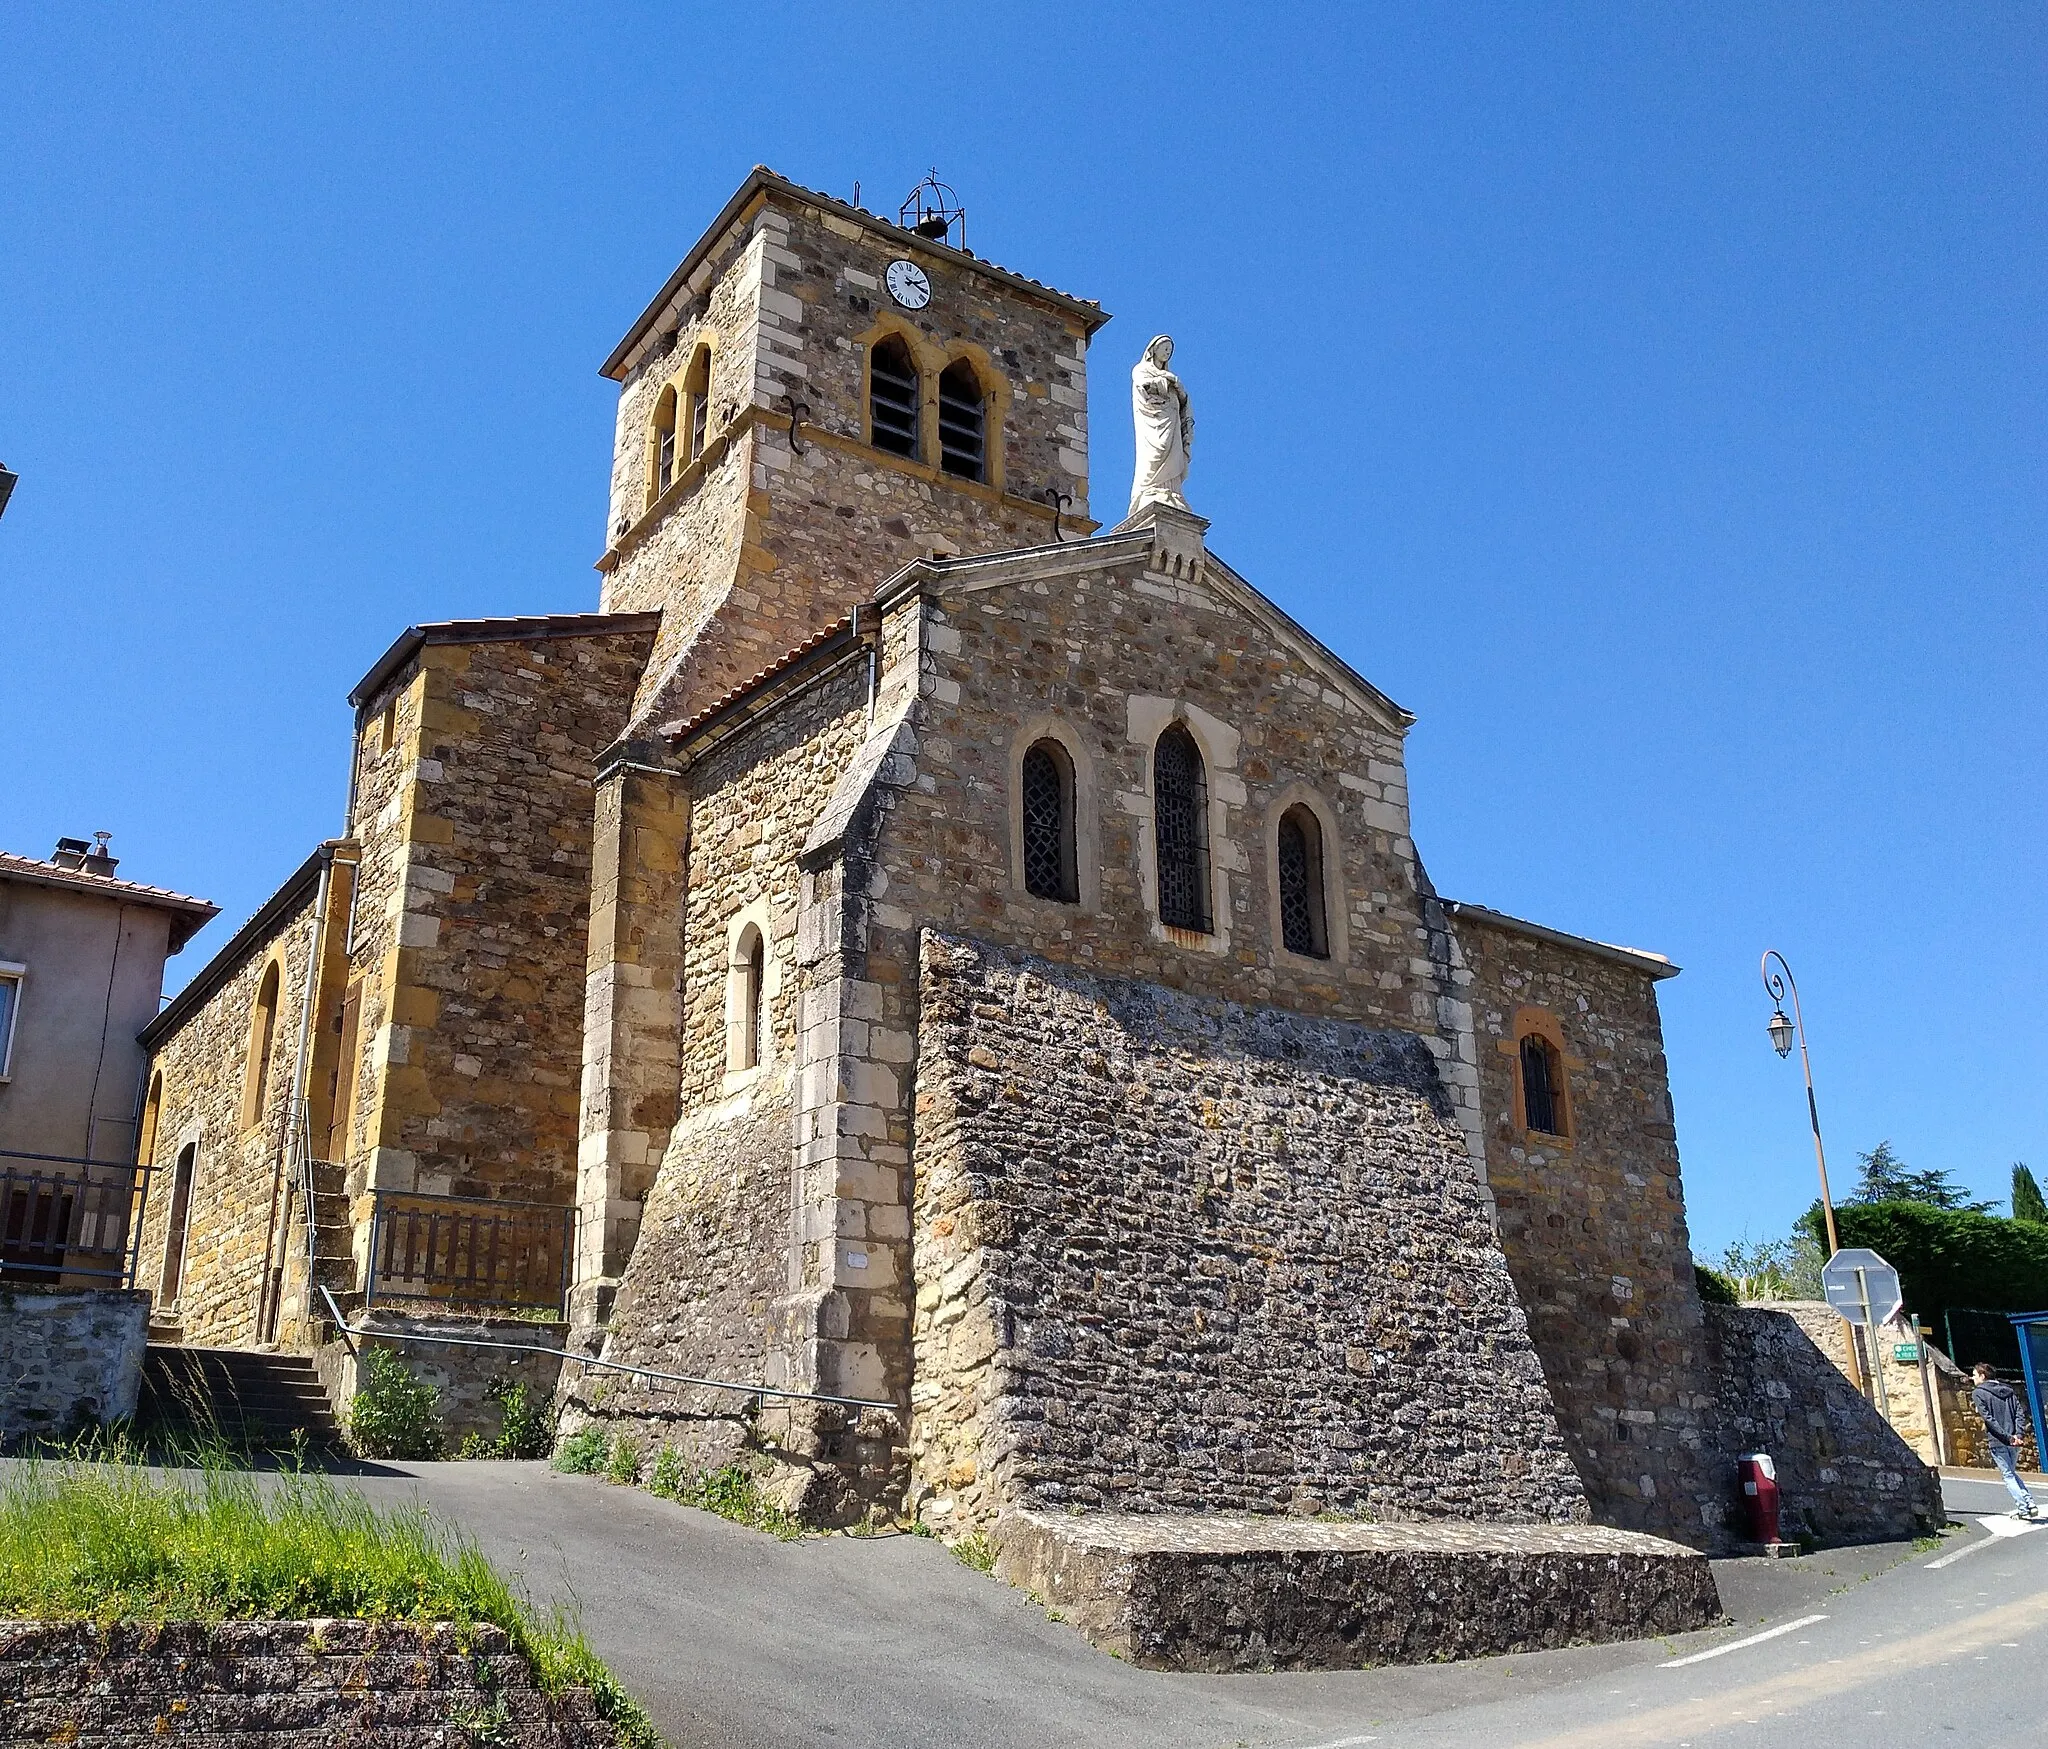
(1336, 900)
(757, 917)
(1087, 814)
(1149, 717)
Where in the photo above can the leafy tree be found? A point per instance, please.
(1773, 1269)
(1887, 1178)
(1949, 1257)
(2027, 1202)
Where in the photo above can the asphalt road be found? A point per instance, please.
(735, 1641)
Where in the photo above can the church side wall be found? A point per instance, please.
(229, 1213)
(472, 929)
(1181, 1255)
(713, 1256)
(1595, 1234)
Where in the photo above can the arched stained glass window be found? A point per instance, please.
(1180, 810)
(1304, 927)
(1047, 783)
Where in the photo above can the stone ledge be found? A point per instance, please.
(1230, 1592)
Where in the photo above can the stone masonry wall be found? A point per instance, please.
(1174, 1254)
(713, 1257)
(1594, 1230)
(236, 1181)
(1844, 1475)
(248, 1684)
(69, 1357)
(472, 928)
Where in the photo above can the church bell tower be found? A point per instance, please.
(817, 396)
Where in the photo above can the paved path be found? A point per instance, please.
(735, 1641)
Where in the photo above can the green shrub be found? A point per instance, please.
(394, 1415)
(976, 1551)
(622, 1463)
(1715, 1288)
(526, 1427)
(670, 1475)
(582, 1453)
(110, 1541)
(1949, 1257)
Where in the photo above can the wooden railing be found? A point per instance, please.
(469, 1251)
(67, 1220)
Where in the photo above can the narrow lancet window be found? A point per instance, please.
(963, 421)
(1048, 809)
(1304, 926)
(664, 442)
(893, 398)
(1180, 806)
(752, 1015)
(697, 391)
(1542, 1109)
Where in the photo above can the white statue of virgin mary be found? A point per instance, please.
(1166, 429)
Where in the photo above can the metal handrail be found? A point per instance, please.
(644, 1372)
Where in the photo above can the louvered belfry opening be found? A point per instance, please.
(1539, 1086)
(697, 386)
(893, 397)
(963, 422)
(1180, 807)
(1304, 928)
(1048, 807)
(665, 441)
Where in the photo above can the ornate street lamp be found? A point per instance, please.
(1783, 1031)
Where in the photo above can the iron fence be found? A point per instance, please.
(470, 1251)
(65, 1219)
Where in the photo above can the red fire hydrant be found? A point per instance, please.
(1760, 1496)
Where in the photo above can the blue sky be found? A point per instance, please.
(1651, 399)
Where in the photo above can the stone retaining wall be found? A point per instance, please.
(462, 1376)
(253, 1684)
(1845, 1476)
(1183, 1255)
(1174, 1592)
(68, 1357)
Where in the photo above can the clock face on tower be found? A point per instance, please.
(908, 284)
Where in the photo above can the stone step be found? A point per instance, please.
(242, 1393)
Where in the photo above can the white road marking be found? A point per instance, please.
(1995, 1530)
(1344, 1743)
(1805, 1621)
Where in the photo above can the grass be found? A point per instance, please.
(111, 1541)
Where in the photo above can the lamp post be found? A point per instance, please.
(1783, 1031)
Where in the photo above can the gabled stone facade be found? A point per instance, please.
(715, 918)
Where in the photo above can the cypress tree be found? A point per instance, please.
(2027, 1202)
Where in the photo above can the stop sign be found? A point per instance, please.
(1854, 1279)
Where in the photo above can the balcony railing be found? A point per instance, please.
(470, 1251)
(69, 1221)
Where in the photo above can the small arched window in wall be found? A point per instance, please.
(152, 1115)
(1180, 813)
(1304, 923)
(894, 397)
(664, 442)
(262, 1037)
(963, 422)
(1047, 783)
(697, 397)
(172, 1281)
(1542, 1086)
(748, 1016)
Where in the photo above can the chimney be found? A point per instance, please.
(71, 853)
(97, 861)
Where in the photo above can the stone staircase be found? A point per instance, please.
(250, 1400)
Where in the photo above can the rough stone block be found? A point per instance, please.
(1228, 1592)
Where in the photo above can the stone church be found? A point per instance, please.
(931, 952)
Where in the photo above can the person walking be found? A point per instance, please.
(2004, 1420)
